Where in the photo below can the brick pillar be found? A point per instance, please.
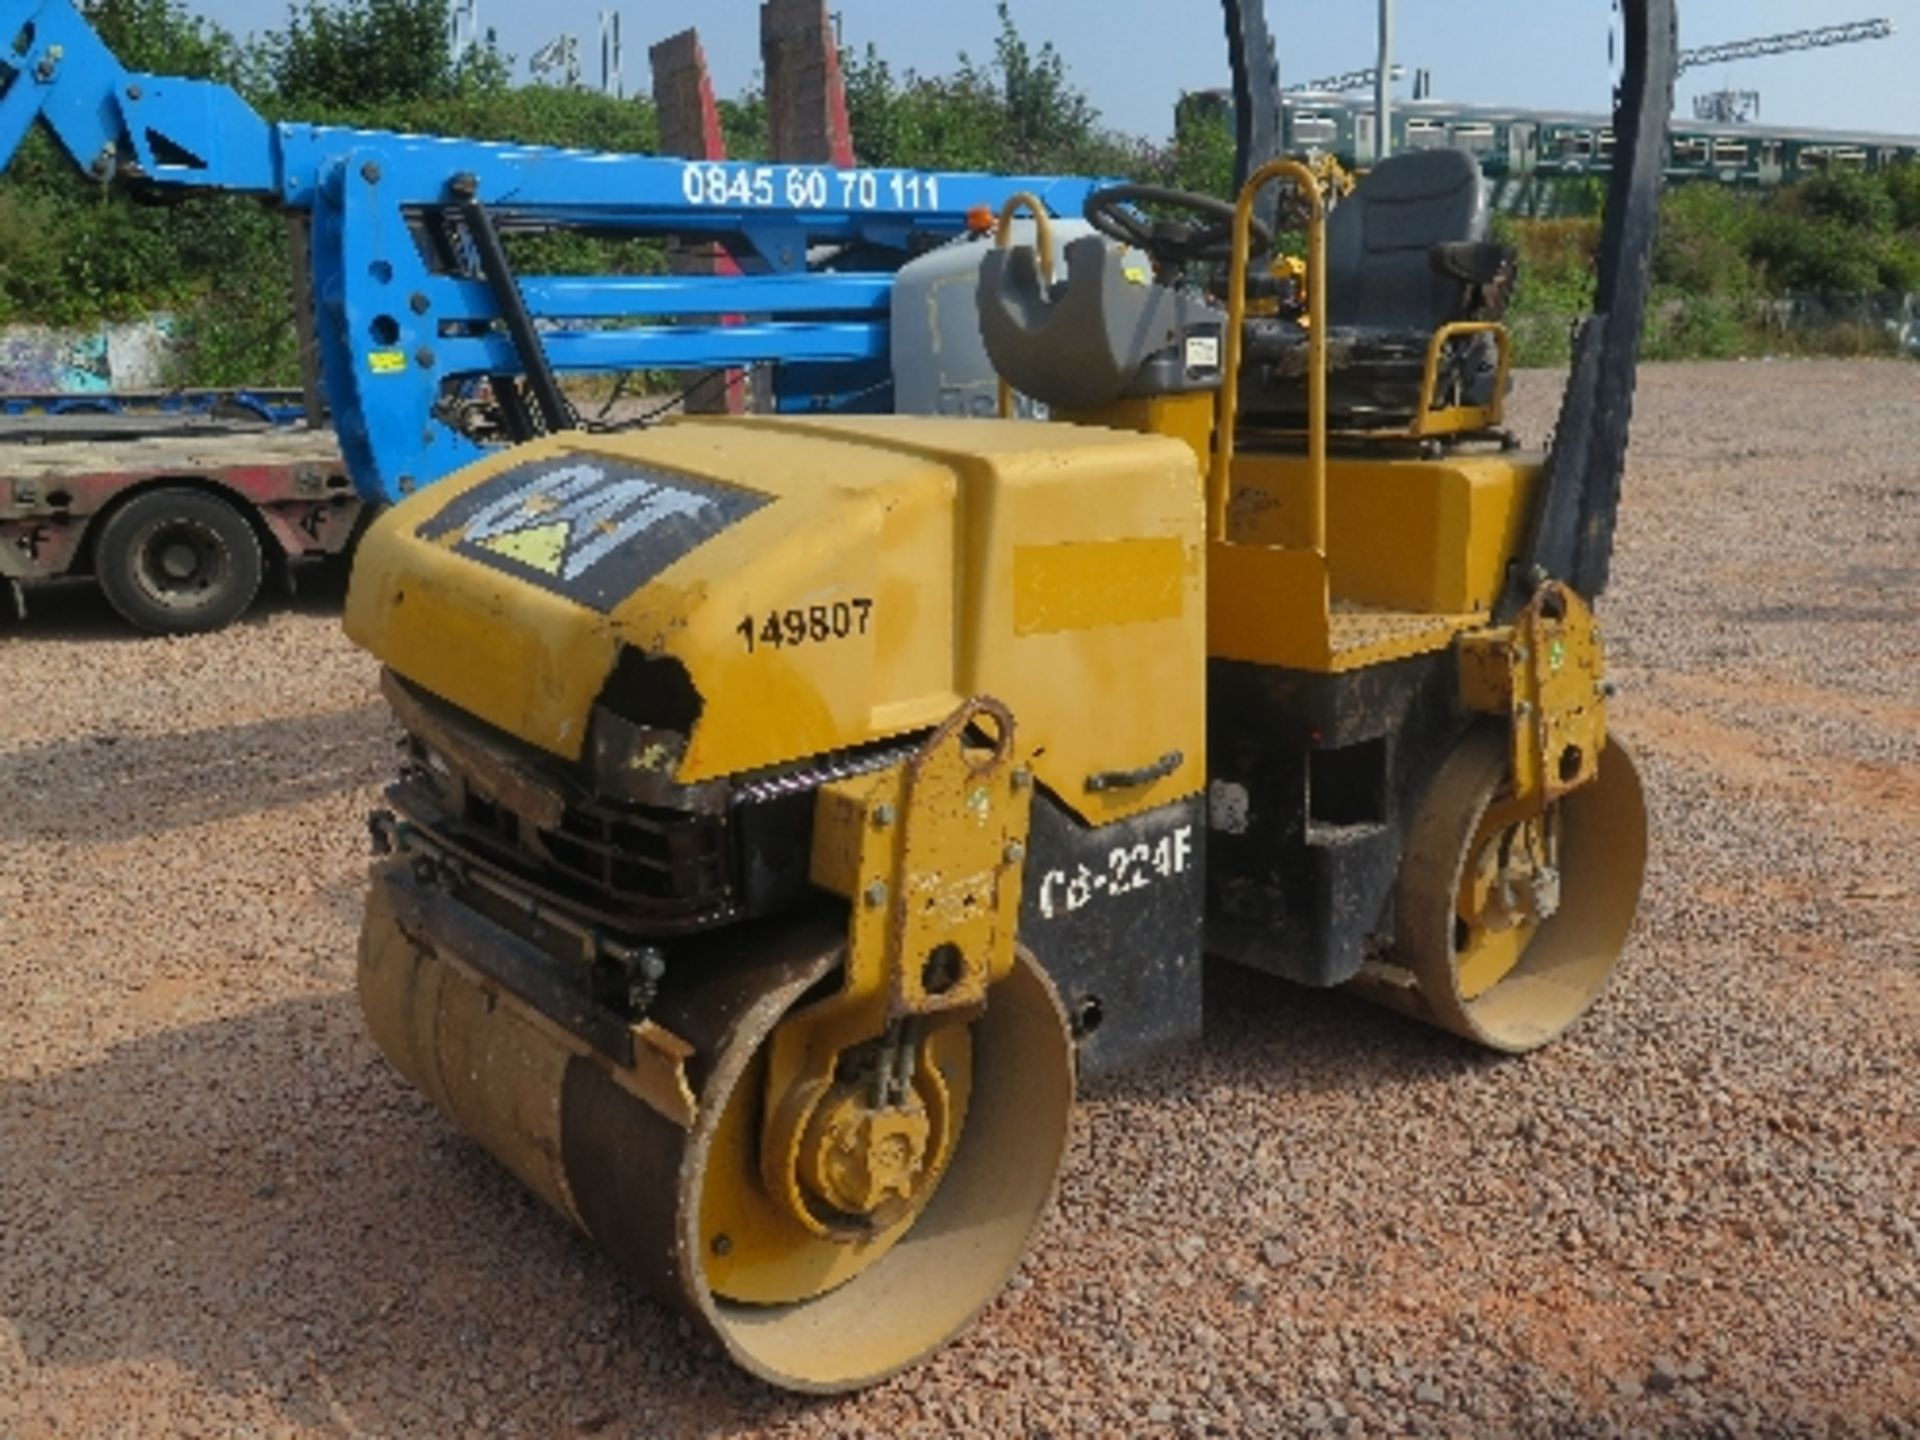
(690, 127)
(806, 97)
(683, 98)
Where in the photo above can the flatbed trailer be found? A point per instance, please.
(179, 518)
(271, 405)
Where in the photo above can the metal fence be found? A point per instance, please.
(1891, 316)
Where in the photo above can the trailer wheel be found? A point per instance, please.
(176, 561)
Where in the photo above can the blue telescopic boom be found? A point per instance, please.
(409, 320)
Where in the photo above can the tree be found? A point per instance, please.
(873, 106)
(1203, 147)
(1903, 185)
(947, 122)
(1019, 113)
(743, 125)
(1047, 116)
(358, 54)
(162, 38)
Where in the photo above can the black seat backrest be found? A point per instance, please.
(1380, 274)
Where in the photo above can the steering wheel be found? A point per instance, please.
(1205, 233)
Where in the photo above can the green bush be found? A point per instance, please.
(162, 37)
(1202, 159)
(1722, 254)
(245, 338)
(1900, 264)
(1807, 252)
(1706, 236)
(1858, 202)
(1556, 277)
(1903, 184)
(1684, 325)
(30, 259)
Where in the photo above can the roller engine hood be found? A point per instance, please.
(779, 589)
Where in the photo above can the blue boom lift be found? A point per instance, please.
(415, 306)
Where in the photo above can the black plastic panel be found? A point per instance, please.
(1300, 884)
(1114, 914)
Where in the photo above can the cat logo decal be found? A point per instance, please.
(592, 528)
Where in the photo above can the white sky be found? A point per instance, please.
(1135, 57)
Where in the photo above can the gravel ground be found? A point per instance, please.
(1698, 1215)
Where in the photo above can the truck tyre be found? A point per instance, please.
(176, 561)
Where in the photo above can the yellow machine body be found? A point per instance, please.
(1409, 534)
(1044, 563)
(910, 613)
(1352, 588)
(792, 808)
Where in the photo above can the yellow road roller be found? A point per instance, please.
(794, 807)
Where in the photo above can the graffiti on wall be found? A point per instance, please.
(39, 360)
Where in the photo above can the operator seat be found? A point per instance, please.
(1406, 253)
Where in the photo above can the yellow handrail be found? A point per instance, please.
(1218, 480)
(1465, 416)
(1043, 239)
